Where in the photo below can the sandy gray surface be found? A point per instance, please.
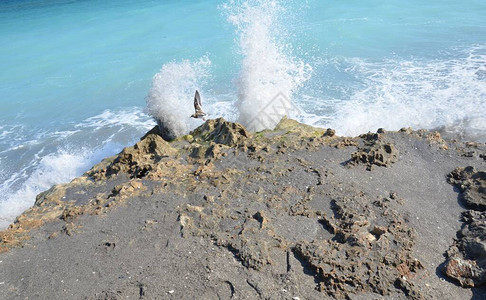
(221, 215)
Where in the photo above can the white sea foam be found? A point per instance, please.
(60, 167)
(170, 100)
(59, 156)
(269, 74)
(221, 106)
(131, 117)
(442, 94)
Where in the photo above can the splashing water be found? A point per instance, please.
(170, 100)
(448, 95)
(268, 78)
(269, 74)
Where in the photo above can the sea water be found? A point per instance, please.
(80, 79)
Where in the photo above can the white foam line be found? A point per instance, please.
(108, 118)
(59, 167)
(421, 94)
(49, 167)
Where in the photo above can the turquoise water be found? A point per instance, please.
(76, 75)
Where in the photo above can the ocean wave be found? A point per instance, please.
(35, 164)
(133, 117)
(270, 74)
(59, 167)
(443, 93)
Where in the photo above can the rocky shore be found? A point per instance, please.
(291, 213)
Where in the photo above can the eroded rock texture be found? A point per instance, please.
(472, 184)
(220, 131)
(374, 152)
(370, 250)
(366, 246)
(466, 258)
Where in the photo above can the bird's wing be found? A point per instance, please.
(197, 102)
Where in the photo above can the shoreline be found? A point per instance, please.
(274, 214)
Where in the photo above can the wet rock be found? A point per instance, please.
(163, 131)
(472, 184)
(407, 130)
(330, 132)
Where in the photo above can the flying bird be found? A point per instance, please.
(199, 114)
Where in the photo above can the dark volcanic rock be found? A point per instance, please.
(164, 131)
(472, 184)
(466, 259)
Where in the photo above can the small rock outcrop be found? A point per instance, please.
(164, 131)
(466, 261)
(374, 152)
(137, 160)
(472, 185)
(466, 258)
(220, 131)
(292, 126)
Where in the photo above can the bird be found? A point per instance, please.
(199, 114)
